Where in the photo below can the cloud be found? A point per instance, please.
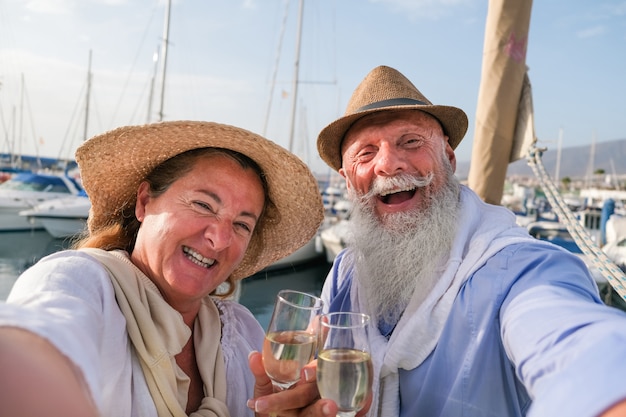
(56, 7)
(428, 9)
(249, 4)
(618, 9)
(64, 7)
(592, 32)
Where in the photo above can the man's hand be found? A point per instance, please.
(301, 400)
(618, 410)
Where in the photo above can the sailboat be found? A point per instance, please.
(67, 216)
(313, 249)
(29, 188)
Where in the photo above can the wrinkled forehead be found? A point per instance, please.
(420, 119)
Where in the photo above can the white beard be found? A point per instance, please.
(400, 254)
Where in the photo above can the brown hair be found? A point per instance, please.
(123, 234)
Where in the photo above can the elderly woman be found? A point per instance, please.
(135, 320)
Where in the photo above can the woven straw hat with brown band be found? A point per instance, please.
(385, 88)
(113, 164)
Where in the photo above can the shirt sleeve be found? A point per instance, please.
(67, 298)
(241, 334)
(568, 348)
(336, 288)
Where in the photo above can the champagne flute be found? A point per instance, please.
(344, 364)
(291, 337)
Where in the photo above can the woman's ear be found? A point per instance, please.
(143, 197)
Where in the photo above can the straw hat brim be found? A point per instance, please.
(113, 164)
(452, 119)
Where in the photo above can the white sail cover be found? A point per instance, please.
(524, 137)
(502, 80)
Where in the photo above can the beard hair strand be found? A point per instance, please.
(401, 254)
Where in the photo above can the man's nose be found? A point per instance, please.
(389, 161)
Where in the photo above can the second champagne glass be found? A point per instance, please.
(344, 364)
(291, 337)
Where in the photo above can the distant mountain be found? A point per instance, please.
(575, 161)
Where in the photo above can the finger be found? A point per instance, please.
(309, 372)
(366, 406)
(287, 402)
(263, 385)
(324, 408)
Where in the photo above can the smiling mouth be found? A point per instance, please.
(197, 258)
(397, 197)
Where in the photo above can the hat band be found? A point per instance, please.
(391, 102)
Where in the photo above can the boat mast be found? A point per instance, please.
(503, 82)
(155, 59)
(275, 71)
(20, 135)
(294, 98)
(590, 168)
(557, 170)
(166, 32)
(87, 99)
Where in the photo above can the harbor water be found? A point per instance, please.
(19, 250)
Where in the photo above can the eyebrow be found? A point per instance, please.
(219, 201)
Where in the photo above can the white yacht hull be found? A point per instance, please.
(11, 221)
(63, 227)
(61, 217)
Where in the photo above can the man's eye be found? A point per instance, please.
(366, 154)
(414, 142)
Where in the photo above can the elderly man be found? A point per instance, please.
(470, 315)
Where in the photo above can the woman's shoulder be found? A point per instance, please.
(68, 259)
(66, 271)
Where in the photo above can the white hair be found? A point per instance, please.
(400, 253)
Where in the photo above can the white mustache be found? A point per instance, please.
(400, 182)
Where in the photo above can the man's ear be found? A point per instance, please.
(342, 172)
(451, 154)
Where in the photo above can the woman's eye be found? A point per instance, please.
(244, 227)
(203, 205)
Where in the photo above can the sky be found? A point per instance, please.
(234, 62)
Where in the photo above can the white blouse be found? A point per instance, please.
(68, 298)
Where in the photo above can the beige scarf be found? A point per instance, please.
(158, 334)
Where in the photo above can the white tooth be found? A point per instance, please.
(385, 193)
(201, 260)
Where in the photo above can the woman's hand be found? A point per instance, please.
(37, 379)
(301, 400)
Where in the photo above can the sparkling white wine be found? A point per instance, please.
(345, 376)
(285, 353)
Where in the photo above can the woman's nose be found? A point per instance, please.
(220, 234)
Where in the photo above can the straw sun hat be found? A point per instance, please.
(385, 88)
(113, 164)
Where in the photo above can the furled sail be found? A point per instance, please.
(524, 137)
(504, 87)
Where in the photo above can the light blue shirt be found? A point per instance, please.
(527, 336)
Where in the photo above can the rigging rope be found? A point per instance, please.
(605, 265)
